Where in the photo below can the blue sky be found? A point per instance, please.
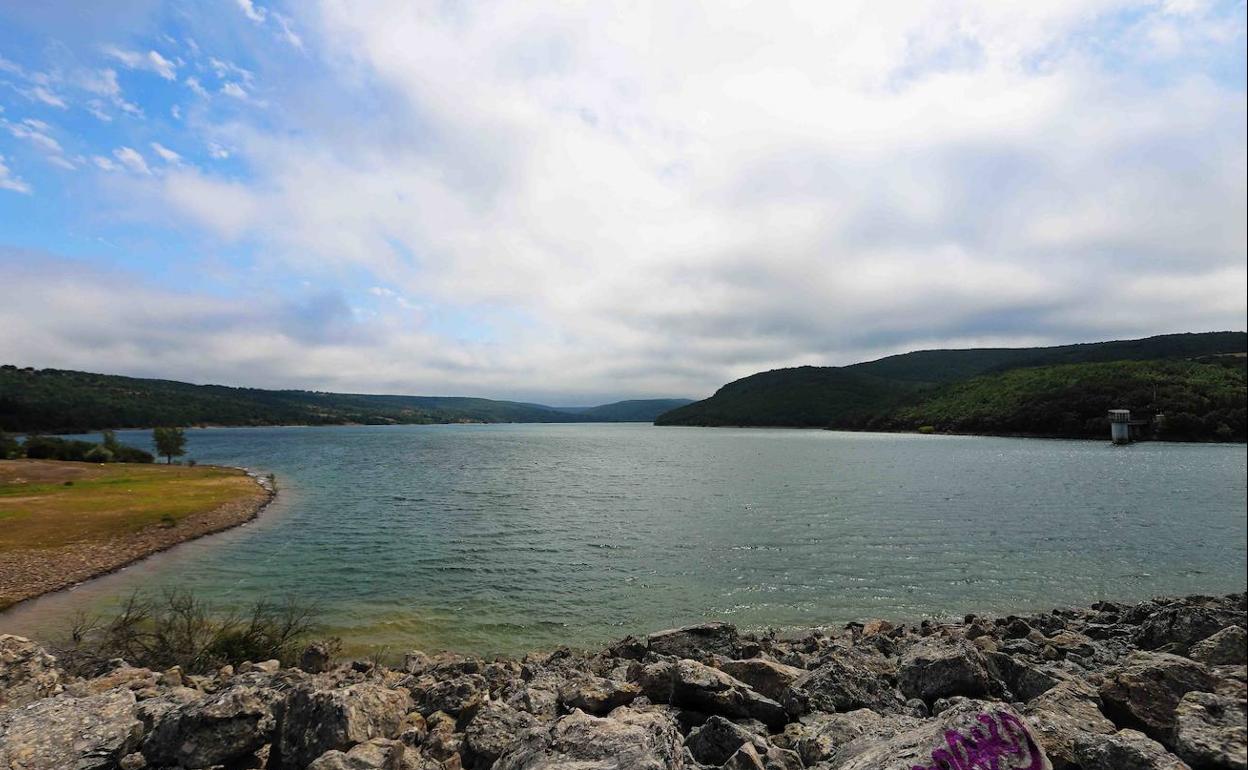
(579, 202)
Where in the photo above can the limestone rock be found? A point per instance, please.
(68, 733)
(1124, 750)
(843, 682)
(217, 730)
(496, 729)
(27, 672)
(939, 668)
(1228, 647)
(769, 678)
(459, 695)
(597, 695)
(690, 684)
(317, 720)
(627, 738)
(1146, 689)
(993, 734)
(1178, 626)
(697, 642)
(377, 754)
(1063, 714)
(1212, 731)
(717, 739)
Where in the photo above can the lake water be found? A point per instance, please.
(504, 538)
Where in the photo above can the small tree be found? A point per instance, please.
(8, 446)
(170, 443)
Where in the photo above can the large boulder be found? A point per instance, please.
(377, 754)
(456, 695)
(1145, 690)
(218, 730)
(27, 672)
(717, 739)
(937, 667)
(698, 642)
(1124, 750)
(627, 738)
(1062, 715)
(67, 733)
(821, 737)
(317, 720)
(690, 684)
(1176, 627)
(971, 734)
(597, 695)
(843, 682)
(1228, 647)
(1212, 731)
(495, 729)
(765, 676)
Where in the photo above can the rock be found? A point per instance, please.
(1146, 689)
(977, 733)
(217, 730)
(766, 677)
(539, 701)
(938, 668)
(745, 758)
(820, 738)
(698, 642)
(1178, 626)
(135, 761)
(317, 658)
(315, 720)
(1024, 680)
(27, 672)
(1063, 714)
(68, 733)
(443, 741)
(1228, 647)
(843, 682)
(596, 695)
(377, 754)
(626, 739)
(717, 740)
(458, 695)
(690, 684)
(1212, 731)
(1124, 750)
(496, 729)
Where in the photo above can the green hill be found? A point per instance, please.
(987, 390)
(635, 410)
(53, 400)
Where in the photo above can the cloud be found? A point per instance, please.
(38, 133)
(653, 200)
(166, 154)
(252, 11)
(42, 94)
(152, 61)
(132, 159)
(287, 32)
(10, 181)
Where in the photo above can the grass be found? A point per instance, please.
(46, 504)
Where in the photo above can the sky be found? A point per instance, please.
(576, 202)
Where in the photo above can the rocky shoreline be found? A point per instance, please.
(1157, 685)
(31, 573)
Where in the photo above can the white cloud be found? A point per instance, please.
(38, 133)
(10, 181)
(252, 11)
(45, 95)
(105, 164)
(166, 154)
(287, 32)
(195, 86)
(151, 61)
(132, 159)
(234, 90)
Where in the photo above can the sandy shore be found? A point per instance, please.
(29, 573)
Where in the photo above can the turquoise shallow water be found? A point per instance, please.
(503, 538)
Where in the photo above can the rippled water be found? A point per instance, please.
(504, 538)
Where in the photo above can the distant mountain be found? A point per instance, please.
(636, 410)
(61, 401)
(993, 390)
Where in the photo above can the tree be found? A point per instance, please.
(170, 443)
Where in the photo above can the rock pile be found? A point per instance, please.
(1109, 687)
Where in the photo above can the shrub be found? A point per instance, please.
(98, 454)
(179, 629)
(9, 448)
(51, 448)
(130, 454)
(927, 430)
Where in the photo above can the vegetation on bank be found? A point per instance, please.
(1064, 391)
(176, 628)
(108, 450)
(61, 401)
(1199, 401)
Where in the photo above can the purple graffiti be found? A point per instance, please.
(1000, 742)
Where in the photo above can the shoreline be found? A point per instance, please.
(41, 572)
(1158, 685)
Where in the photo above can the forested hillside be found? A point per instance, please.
(53, 400)
(1056, 391)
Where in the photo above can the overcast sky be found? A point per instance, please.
(578, 202)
